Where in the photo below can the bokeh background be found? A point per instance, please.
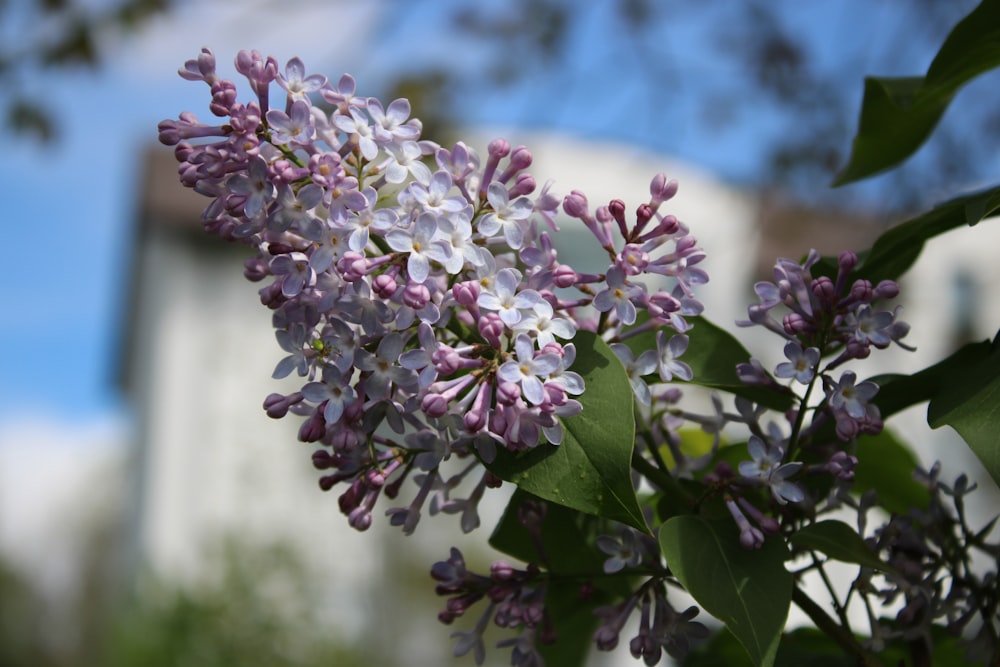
(150, 514)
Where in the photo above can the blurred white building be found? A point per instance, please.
(200, 351)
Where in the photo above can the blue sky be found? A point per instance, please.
(70, 206)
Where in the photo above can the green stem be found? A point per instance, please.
(841, 612)
(838, 634)
(793, 439)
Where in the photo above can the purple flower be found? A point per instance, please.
(509, 216)
(852, 399)
(383, 367)
(255, 185)
(527, 368)
(668, 352)
(636, 368)
(616, 296)
(334, 389)
(293, 127)
(801, 364)
(625, 550)
(296, 83)
(766, 467)
(505, 299)
(421, 245)
(297, 272)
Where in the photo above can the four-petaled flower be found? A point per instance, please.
(801, 364)
(527, 368)
(766, 467)
(851, 398)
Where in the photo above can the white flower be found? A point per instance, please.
(505, 299)
(527, 368)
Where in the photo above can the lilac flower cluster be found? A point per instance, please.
(515, 601)
(412, 285)
(824, 323)
(827, 317)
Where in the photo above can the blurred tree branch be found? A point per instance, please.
(57, 35)
(751, 55)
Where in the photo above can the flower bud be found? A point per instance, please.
(661, 190)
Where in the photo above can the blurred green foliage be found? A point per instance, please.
(256, 609)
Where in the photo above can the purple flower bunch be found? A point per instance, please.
(826, 317)
(415, 288)
(515, 600)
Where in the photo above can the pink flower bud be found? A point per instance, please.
(520, 159)
(887, 289)
(416, 295)
(384, 286)
(508, 393)
(434, 405)
(524, 184)
(564, 276)
(466, 293)
(491, 328)
(499, 148)
(661, 190)
(575, 205)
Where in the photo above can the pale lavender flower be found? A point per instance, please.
(404, 160)
(766, 467)
(420, 244)
(505, 299)
(293, 340)
(433, 197)
(292, 127)
(801, 364)
(872, 327)
(616, 297)
(383, 367)
(296, 83)
(668, 352)
(255, 185)
(296, 271)
(540, 320)
(334, 389)
(356, 125)
(421, 358)
(850, 398)
(295, 208)
(508, 216)
(636, 368)
(625, 550)
(455, 230)
(391, 125)
(527, 368)
(362, 221)
(343, 95)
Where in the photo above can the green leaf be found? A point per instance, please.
(713, 354)
(969, 402)
(567, 539)
(749, 591)
(887, 465)
(568, 551)
(895, 251)
(802, 646)
(838, 541)
(573, 621)
(898, 114)
(591, 471)
(963, 391)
